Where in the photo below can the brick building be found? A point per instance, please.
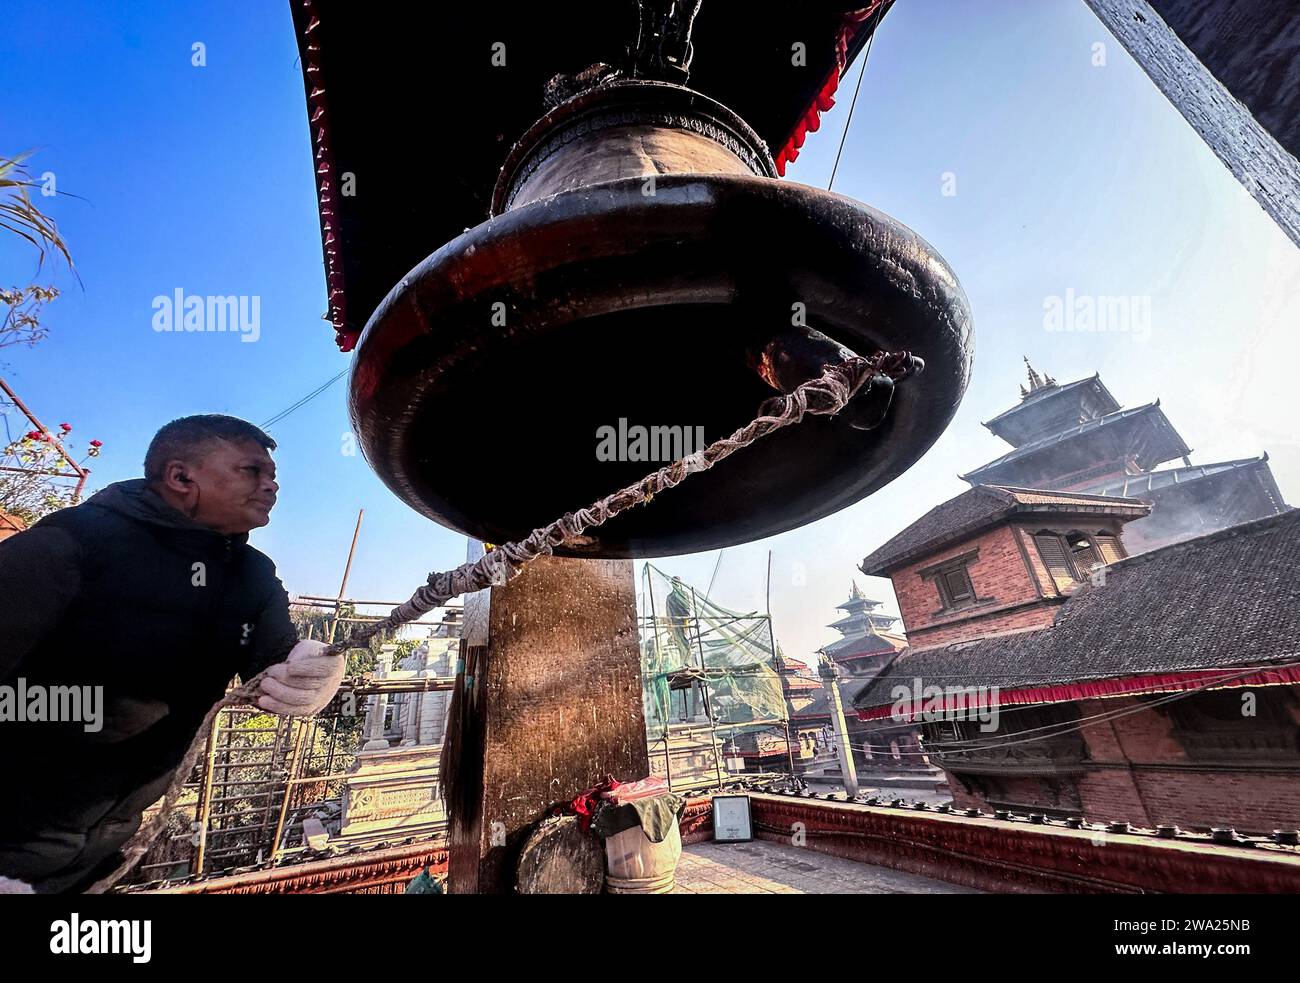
(994, 559)
(1076, 437)
(806, 702)
(1055, 674)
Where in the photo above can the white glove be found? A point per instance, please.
(9, 885)
(304, 683)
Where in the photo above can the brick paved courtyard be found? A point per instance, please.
(763, 867)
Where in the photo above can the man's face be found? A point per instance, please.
(236, 487)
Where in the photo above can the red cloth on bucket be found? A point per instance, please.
(586, 803)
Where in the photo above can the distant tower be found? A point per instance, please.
(870, 635)
(870, 640)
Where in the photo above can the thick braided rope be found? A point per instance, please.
(826, 395)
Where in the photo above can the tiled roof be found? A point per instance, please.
(1141, 484)
(869, 644)
(982, 506)
(819, 707)
(1040, 395)
(1109, 420)
(801, 683)
(1229, 599)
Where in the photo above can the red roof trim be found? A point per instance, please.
(811, 120)
(326, 181)
(1166, 682)
(327, 188)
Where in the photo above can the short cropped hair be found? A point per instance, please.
(184, 440)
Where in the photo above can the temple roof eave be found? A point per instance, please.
(1176, 447)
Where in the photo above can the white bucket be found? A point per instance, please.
(634, 865)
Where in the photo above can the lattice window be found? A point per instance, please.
(1109, 546)
(957, 586)
(1082, 552)
(952, 580)
(1056, 558)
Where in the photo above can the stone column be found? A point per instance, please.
(433, 717)
(410, 719)
(375, 740)
(830, 676)
(552, 705)
(413, 703)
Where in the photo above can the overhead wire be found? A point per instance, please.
(866, 55)
(303, 401)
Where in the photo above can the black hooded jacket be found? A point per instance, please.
(126, 593)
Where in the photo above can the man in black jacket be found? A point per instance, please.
(143, 602)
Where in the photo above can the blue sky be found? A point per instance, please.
(1068, 176)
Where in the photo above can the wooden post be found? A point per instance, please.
(347, 569)
(1226, 68)
(551, 706)
(830, 676)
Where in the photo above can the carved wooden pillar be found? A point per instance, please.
(550, 703)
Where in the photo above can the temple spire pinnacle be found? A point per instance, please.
(1036, 381)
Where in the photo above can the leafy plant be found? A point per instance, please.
(20, 216)
(22, 321)
(34, 474)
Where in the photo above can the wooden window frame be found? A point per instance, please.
(941, 570)
(1120, 552)
(1061, 543)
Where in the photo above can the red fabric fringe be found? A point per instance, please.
(811, 120)
(1165, 682)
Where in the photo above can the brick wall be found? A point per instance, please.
(997, 574)
(1145, 776)
(1022, 793)
(1250, 802)
(1011, 857)
(1002, 583)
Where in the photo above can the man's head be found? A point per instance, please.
(215, 469)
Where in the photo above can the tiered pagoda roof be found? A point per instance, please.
(1142, 435)
(1076, 436)
(1047, 408)
(867, 632)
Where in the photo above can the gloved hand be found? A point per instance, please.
(9, 885)
(303, 683)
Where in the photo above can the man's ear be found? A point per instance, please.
(176, 477)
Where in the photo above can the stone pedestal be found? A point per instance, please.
(392, 794)
(550, 705)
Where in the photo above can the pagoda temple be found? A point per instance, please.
(881, 748)
(869, 634)
(1076, 437)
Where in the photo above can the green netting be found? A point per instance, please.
(686, 637)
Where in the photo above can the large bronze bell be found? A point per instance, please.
(644, 267)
